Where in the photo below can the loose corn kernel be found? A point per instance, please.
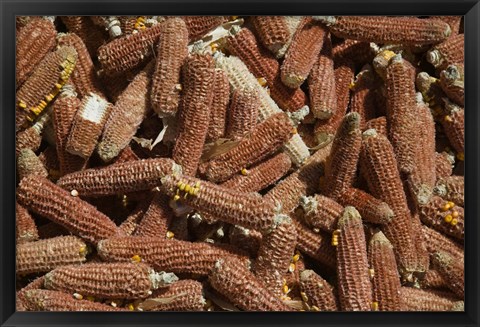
(461, 156)
(291, 268)
(78, 296)
(136, 258)
(131, 307)
(296, 257)
(262, 81)
(170, 234)
(244, 172)
(375, 306)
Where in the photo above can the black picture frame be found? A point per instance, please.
(10, 8)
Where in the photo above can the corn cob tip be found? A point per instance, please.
(434, 57)
(349, 216)
(451, 73)
(371, 132)
(380, 238)
(305, 275)
(160, 279)
(352, 121)
(424, 193)
(308, 203)
(327, 20)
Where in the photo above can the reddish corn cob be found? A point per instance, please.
(33, 42)
(433, 279)
(355, 290)
(318, 292)
(404, 30)
(125, 117)
(426, 300)
(218, 112)
(165, 255)
(423, 256)
(129, 225)
(452, 270)
(247, 240)
(29, 138)
(84, 76)
(364, 100)
(261, 175)
(265, 139)
(29, 164)
(273, 31)
(451, 188)
(130, 51)
(110, 23)
(199, 25)
(448, 52)
(45, 300)
(26, 230)
(126, 155)
(120, 178)
(44, 84)
(50, 160)
(302, 53)
(49, 200)
(156, 219)
(292, 23)
(379, 124)
(386, 280)
(87, 125)
(452, 83)
(244, 209)
(50, 230)
(83, 26)
(184, 295)
(358, 52)
(443, 165)
(444, 217)
(127, 24)
(34, 285)
(453, 21)
(240, 286)
(321, 212)
(454, 126)
(321, 83)
(45, 255)
(171, 53)
(243, 112)
(199, 75)
(108, 280)
(436, 241)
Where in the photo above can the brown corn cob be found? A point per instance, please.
(126, 155)
(120, 178)
(87, 125)
(244, 209)
(321, 83)
(111, 24)
(444, 217)
(129, 225)
(319, 293)
(358, 52)
(451, 188)
(218, 112)
(29, 138)
(453, 21)
(108, 280)
(33, 42)
(452, 270)
(364, 99)
(454, 126)
(29, 164)
(443, 165)
(386, 280)
(45, 255)
(381, 29)
(36, 284)
(64, 208)
(84, 76)
(302, 53)
(199, 25)
(130, 51)
(83, 26)
(452, 83)
(184, 295)
(379, 124)
(165, 255)
(247, 240)
(240, 286)
(156, 219)
(45, 300)
(448, 52)
(261, 175)
(265, 139)
(127, 24)
(171, 53)
(321, 212)
(355, 290)
(423, 256)
(273, 31)
(243, 112)
(50, 161)
(50, 230)
(433, 279)
(126, 116)
(293, 23)
(436, 241)
(426, 300)
(198, 74)
(44, 84)
(26, 229)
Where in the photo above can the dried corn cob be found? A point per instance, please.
(33, 42)
(453, 21)
(36, 284)
(318, 292)
(171, 53)
(448, 52)
(157, 218)
(245, 239)
(50, 230)
(452, 270)
(29, 138)
(443, 165)
(302, 53)
(44, 84)
(364, 100)
(87, 125)
(296, 149)
(111, 24)
(454, 126)
(321, 212)
(273, 31)
(218, 112)
(426, 300)
(436, 241)
(26, 230)
(243, 112)
(64, 208)
(358, 52)
(452, 83)
(433, 279)
(83, 26)
(45, 255)
(120, 178)
(451, 188)
(126, 155)
(386, 280)
(241, 287)
(404, 30)
(293, 23)
(29, 164)
(199, 25)
(444, 217)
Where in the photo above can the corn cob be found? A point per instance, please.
(426, 300)
(359, 52)
(29, 164)
(318, 292)
(171, 53)
(444, 217)
(199, 75)
(199, 25)
(126, 155)
(36, 284)
(127, 24)
(241, 287)
(431, 91)
(64, 208)
(165, 255)
(448, 52)
(125, 117)
(83, 26)
(386, 280)
(50, 161)
(130, 51)
(44, 84)
(243, 112)
(45, 255)
(454, 127)
(451, 188)
(404, 30)
(302, 53)
(87, 125)
(433, 279)
(452, 83)
(321, 83)
(453, 21)
(130, 224)
(423, 256)
(321, 212)
(111, 24)
(156, 219)
(247, 240)
(33, 42)
(29, 138)
(436, 241)
(363, 97)
(184, 295)
(273, 31)
(119, 178)
(108, 280)
(292, 23)
(26, 229)
(452, 270)
(265, 139)
(218, 112)
(443, 165)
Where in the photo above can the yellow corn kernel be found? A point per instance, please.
(213, 47)
(461, 156)
(22, 104)
(262, 81)
(176, 197)
(195, 191)
(448, 218)
(446, 207)
(371, 273)
(315, 308)
(182, 186)
(296, 257)
(83, 249)
(58, 86)
(291, 268)
(294, 131)
(285, 289)
(131, 307)
(455, 214)
(454, 222)
(351, 85)
(244, 171)
(187, 188)
(170, 234)
(136, 258)
(447, 118)
(375, 306)
(78, 296)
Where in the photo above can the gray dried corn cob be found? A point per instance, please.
(273, 31)
(452, 83)
(444, 217)
(243, 111)
(318, 292)
(26, 230)
(414, 299)
(184, 295)
(28, 163)
(156, 219)
(452, 270)
(218, 112)
(321, 212)
(448, 52)
(451, 188)
(48, 254)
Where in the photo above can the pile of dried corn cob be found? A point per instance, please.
(240, 163)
